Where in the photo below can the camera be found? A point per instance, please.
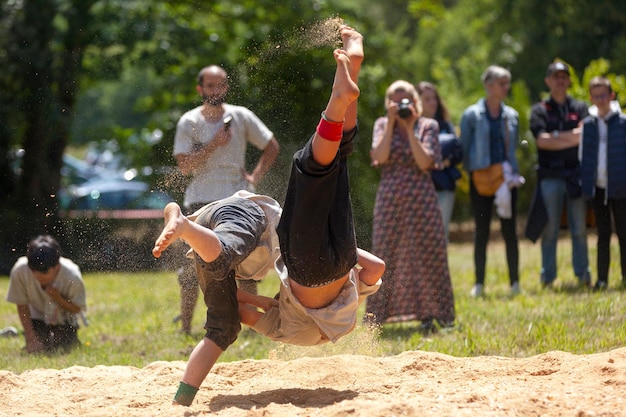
(404, 108)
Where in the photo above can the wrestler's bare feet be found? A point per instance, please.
(353, 45)
(342, 101)
(345, 90)
(173, 229)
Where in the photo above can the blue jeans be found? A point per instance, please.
(446, 204)
(554, 192)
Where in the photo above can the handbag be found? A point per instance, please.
(488, 180)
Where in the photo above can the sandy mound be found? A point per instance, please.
(409, 384)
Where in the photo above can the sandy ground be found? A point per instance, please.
(410, 384)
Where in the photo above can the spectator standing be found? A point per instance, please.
(50, 296)
(445, 175)
(408, 229)
(603, 168)
(556, 125)
(210, 147)
(489, 131)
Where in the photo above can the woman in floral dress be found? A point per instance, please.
(408, 227)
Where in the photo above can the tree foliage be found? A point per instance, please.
(43, 43)
(77, 71)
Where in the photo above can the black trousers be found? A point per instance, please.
(238, 223)
(55, 336)
(616, 207)
(482, 209)
(316, 229)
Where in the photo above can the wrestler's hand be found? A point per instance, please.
(33, 346)
(249, 178)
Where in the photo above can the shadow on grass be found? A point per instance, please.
(304, 398)
(567, 288)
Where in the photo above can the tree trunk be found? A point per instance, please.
(49, 65)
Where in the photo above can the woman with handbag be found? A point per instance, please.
(408, 229)
(489, 131)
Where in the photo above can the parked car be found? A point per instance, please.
(113, 194)
(76, 171)
(86, 186)
(73, 171)
(110, 217)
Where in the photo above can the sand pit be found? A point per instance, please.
(409, 384)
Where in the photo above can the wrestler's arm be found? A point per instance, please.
(250, 316)
(373, 267)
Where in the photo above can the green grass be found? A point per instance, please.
(131, 316)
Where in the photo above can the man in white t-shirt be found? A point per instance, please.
(210, 147)
(50, 295)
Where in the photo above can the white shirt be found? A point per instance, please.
(220, 175)
(601, 175)
(261, 260)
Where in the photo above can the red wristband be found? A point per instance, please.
(329, 130)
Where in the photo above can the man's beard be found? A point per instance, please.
(214, 100)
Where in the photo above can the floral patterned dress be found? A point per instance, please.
(408, 235)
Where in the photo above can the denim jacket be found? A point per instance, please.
(475, 136)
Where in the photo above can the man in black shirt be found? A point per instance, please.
(556, 124)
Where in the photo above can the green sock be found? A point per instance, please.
(185, 394)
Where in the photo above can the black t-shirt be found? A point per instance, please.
(548, 116)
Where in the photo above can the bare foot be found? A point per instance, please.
(342, 98)
(353, 45)
(345, 90)
(174, 224)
